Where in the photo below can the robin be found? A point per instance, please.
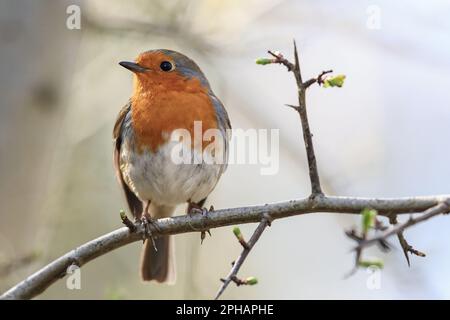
(170, 93)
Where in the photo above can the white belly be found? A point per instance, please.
(155, 177)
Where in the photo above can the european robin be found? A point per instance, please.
(170, 92)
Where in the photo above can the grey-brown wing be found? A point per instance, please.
(134, 203)
(225, 126)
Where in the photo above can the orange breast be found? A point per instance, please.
(169, 106)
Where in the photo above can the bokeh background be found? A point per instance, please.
(384, 134)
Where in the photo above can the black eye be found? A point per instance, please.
(166, 66)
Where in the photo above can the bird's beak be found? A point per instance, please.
(134, 67)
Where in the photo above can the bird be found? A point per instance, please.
(170, 92)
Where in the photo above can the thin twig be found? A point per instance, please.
(232, 276)
(279, 58)
(406, 247)
(438, 209)
(319, 79)
(316, 189)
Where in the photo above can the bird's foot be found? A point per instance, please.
(194, 208)
(148, 223)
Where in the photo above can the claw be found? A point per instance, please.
(193, 208)
(203, 235)
(205, 213)
(148, 223)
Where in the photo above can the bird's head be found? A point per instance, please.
(167, 69)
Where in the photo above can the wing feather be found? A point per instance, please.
(134, 203)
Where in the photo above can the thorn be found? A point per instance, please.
(405, 247)
(296, 108)
(351, 273)
(297, 64)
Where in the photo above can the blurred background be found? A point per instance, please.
(384, 134)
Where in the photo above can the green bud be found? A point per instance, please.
(251, 281)
(336, 81)
(123, 216)
(368, 219)
(263, 61)
(371, 263)
(237, 232)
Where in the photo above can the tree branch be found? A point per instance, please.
(406, 247)
(440, 208)
(232, 276)
(42, 279)
(316, 189)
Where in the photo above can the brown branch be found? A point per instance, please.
(406, 247)
(316, 189)
(232, 276)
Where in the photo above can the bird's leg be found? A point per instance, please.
(194, 208)
(148, 222)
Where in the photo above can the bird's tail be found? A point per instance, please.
(159, 264)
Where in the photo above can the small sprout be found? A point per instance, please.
(251, 281)
(240, 237)
(371, 263)
(368, 219)
(263, 61)
(336, 81)
(238, 234)
(127, 221)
